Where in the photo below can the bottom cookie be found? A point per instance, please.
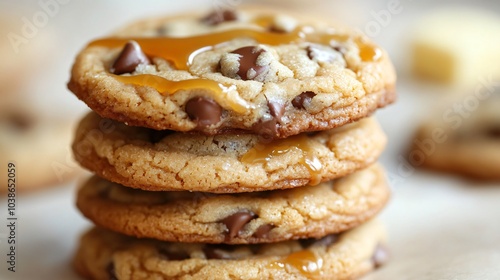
(107, 255)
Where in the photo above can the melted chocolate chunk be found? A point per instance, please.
(276, 109)
(218, 17)
(218, 252)
(304, 98)
(267, 130)
(110, 269)
(156, 136)
(177, 256)
(249, 68)
(237, 221)
(204, 111)
(130, 57)
(380, 256)
(263, 231)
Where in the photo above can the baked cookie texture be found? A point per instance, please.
(106, 255)
(250, 70)
(233, 145)
(466, 146)
(258, 217)
(152, 160)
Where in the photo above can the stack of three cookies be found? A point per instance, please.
(224, 150)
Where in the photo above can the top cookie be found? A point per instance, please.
(275, 75)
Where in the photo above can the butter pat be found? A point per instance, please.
(457, 46)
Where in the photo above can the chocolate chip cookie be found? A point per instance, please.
(38, 147)
(106, 255)
(466, 144)
(258, 217)
(164, 160)
(264, 72)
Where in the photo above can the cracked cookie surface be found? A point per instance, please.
(274, 75)
(165, 160)
(258, 217)
(106, 255)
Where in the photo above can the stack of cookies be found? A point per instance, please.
(232, 145)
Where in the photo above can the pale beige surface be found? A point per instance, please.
(446, 48)
(440, 227)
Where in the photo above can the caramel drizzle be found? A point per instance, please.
(182, 51)
(264, 153)
(164, 86)
(304, 261)
(179, 50)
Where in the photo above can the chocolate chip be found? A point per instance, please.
(276, 29)
(267, 130)
(19, 122)
(156, 136)
(276, 109)
(493, 132)
(204, 111)
(322, 53)
(306, 243)
(236, 222)
(173, 256)
(325, 241)
(110, 269)
(162, 30)
(263, 231)
(217, 252)
(218, 17)
(249, 68)
(312, 133)
(302, 99)
(129, 58)
(380, 256)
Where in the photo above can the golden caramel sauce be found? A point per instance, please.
(263, 153)
(164, 86)
(304, 261)
(367, 51)
(181, 51)
(264, 21)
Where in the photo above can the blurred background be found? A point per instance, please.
(441, 225)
